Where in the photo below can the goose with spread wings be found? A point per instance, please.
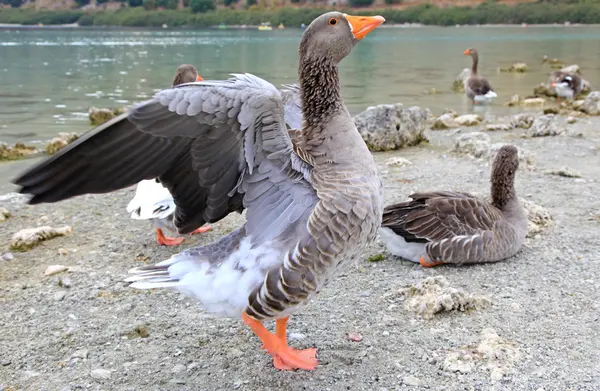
(311, 206)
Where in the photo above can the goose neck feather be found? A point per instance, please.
(475, 57)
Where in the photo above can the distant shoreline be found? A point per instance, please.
(15, 26)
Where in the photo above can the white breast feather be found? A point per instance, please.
(400, 247)
(151, 201)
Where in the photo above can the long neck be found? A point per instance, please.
(320, 94)
(503, 187)
(475, 58)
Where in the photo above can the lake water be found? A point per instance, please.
(49, 78)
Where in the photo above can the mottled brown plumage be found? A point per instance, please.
(453, 227)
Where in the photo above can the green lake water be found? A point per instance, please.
(50, 77)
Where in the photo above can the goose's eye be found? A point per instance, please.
(333, 21)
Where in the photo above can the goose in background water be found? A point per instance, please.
(451, 227)
(477, 88)
(566, 84)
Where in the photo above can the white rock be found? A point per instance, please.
(4, 214)
(497, 127)
(539, 219)
(522, 120)
(389, 127)
(476, 144)
(7, 257)
(444, 121)
(567, 172)
(412, 381)
(28, 238)
(468, 120)
(100, 374)
(545, 125)
(398, 162)
(458, 83)
(571, 119)
(458, 362)
(591, 103)
(81, 353)
(55, 269)
(533, 102)
(58, 296)
(178, 368)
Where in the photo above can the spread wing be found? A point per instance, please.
(292, 105)
(455, 225)
(218, 146)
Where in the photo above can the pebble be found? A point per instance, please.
(296, 336)
(5, 363)
(234, 353)
(355, 337)
(7, 257)
(58, 296)
(178, 368)
(412, 381)
(100, 374)
(177, 381)
(65, 282)
(63, 251)
(385, 333)
(55, 269)
(81, 353)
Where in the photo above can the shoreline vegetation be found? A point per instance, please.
(488, 13)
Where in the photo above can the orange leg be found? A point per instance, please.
(201, 230)
(558, 99)
(424, 263)
(284, 357)
(165, 241)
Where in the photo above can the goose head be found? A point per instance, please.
(334, 34)
(186, 73)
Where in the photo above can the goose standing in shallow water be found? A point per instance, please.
(450, 227)
(567, 85)
(222, 146)
(152, 201)
(477, 88)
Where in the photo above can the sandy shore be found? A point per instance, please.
(98, 334)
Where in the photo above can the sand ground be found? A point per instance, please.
(98, 334)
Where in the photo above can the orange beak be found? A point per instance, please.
(363, 25)
(467, 52)
(553, 84)
(199, 78)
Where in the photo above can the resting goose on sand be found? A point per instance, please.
(450, 227)
(566, 84)
(477, 88)
(152, 201)
(223, 146)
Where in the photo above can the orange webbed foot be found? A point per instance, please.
(424, 263)
(165, 241)
(285, 358)
(201, 230)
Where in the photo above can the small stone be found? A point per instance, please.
(545, 125)
(178, 368)
(459, 362)
(177, 381)
(193, 365)
(398, 162)
(234, 353)
(515, 100)
(534, 102)
(7, 257)
(296, 336)
(566, 172)
(63, 251)
(355, 337)
(5, 363)
(65, 282)
(385, 334)
(28, 238)
(518, 67)
(81, 353)
(59, 142)
(522, 120)
(412, 381)
(497, 127)
(476, 144)
(444, 121)
(571, 119)
(58, 296)
(4, 214)
(100, 374)
(55, 269)
(468, 120)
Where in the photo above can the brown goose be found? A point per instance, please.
(311, 206)
(566, 84)
(449, 227)
(152, 201)
(477, 88)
